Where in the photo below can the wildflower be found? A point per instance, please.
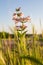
(16, 20)
(18, 28)
(20, 14)
(18, 9)
(21, 27)
(14, 14)
(28, 18)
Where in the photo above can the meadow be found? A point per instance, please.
(21, 49)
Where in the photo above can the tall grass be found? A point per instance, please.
(21, 50)
(17, 53)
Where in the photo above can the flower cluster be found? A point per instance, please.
(19, 17)
(24, 19)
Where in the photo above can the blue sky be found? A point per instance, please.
(33, 8)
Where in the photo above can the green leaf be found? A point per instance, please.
(24, 33)
(19, 34)
(32, 59)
